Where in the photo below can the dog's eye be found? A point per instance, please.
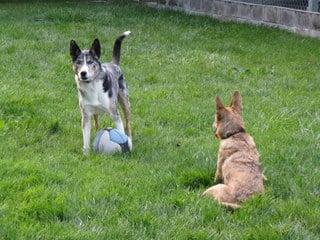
(78, 62)
(89, 62)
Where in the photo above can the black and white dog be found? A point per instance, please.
(100, 87)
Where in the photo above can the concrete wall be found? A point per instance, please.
(299, 21)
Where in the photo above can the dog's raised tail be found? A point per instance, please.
(117, 47)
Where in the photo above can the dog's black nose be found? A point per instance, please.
(83, 74)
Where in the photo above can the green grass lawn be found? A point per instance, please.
(175, 65)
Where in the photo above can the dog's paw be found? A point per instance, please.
(86, 151)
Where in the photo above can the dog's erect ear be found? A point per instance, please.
(219, 104)
(236, 102)
(220, 109)
(74, 50)
(96, 48)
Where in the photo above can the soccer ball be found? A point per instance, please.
(110, 141)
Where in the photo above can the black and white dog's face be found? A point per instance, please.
(86, 64)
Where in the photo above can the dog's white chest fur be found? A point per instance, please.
(92, 98)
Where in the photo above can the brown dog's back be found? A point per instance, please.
(241, 169)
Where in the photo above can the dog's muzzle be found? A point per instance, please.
(86, 80)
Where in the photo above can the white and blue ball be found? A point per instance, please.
(110, 141)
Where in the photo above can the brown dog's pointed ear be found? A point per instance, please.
(236, 102)
(219, 108)
(219, 104)
(75, 51)
(96, 48)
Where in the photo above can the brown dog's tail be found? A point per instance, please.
(117, 48)
(210, 193)
(230, 205)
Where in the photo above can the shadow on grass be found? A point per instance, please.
(196, 179)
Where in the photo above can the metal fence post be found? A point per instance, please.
(313, 5)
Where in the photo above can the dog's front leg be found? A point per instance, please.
(218, 176)
(86, 128)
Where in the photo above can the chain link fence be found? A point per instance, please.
(307, 5)
(300, 16)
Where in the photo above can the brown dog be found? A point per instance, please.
(238, 167)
